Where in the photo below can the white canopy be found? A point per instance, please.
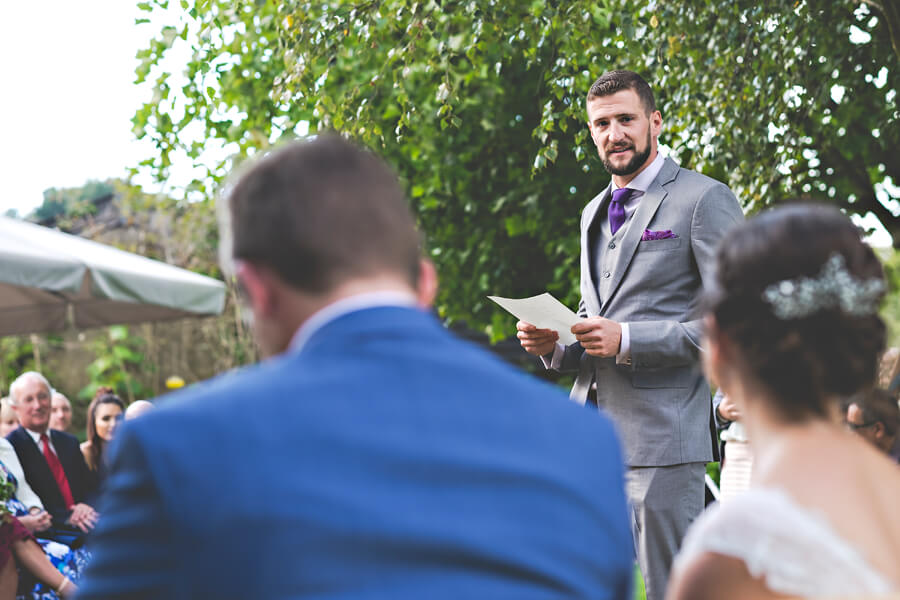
(44, 274)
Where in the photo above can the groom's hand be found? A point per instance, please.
(598, 336)
(536, 341)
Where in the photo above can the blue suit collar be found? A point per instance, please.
(376, 321)
(346, 305)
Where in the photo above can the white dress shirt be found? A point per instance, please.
(37, 440)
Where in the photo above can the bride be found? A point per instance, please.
(792, 328)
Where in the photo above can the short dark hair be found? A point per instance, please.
(321, 212)
(802, 361)
(615, 81)
(878, 406)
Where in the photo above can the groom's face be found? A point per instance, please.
(624, 133)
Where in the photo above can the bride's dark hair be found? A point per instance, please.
(826, 348)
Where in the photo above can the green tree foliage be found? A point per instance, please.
(479, 106)
(890, 310)
(119, 364)
(16, 357)
(790, 100)
(71, 202)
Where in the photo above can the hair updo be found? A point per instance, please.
(803, 360)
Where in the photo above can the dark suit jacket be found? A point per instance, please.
(82, 482)
(384, 459)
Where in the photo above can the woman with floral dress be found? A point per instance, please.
(67, 561)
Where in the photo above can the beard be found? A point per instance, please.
(636, 162)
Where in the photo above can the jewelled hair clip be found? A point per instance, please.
(833, 287)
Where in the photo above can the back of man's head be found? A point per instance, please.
(612, 82)
(322, 212)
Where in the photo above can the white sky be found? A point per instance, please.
(68, 95)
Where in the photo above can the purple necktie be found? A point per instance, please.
(616, 210)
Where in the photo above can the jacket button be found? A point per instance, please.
(612, 246)
(606, 275)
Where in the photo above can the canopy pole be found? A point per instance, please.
(36, 352)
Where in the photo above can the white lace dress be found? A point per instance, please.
(794, 549)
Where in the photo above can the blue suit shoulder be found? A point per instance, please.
(423, 442)
(539, 403)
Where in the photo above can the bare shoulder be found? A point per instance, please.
(712, 576)
(856, 488)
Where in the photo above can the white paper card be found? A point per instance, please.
(544, 312)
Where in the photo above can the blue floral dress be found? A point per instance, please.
(69, 562)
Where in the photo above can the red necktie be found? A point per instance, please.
(58, 473)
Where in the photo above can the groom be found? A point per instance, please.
(376, 456)
(647, 247)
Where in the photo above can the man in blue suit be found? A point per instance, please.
(376, 456)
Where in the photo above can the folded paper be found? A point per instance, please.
(544, 312)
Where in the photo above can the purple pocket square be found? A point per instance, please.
(650, 236)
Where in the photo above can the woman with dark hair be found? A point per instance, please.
(792, 328)
(104, 415)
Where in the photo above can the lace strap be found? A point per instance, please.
(796, 550)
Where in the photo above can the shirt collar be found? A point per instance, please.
(645, 177)
(36, 436)
(345, 306)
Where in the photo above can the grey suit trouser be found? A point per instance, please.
(664, 501)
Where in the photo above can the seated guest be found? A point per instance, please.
(104, 415)
(23, 504)
(138, 408)
(9, 420)
(16, 541)
(53, 464)
(793, 326)
(60, 412)
(875, 416)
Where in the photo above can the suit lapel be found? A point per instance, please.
(41, 479)
(34, 448)
(588, 236)
(647, 207)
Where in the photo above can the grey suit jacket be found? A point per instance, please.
(661, 401)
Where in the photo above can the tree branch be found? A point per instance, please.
(866, 197)
(890, 10)
(872, 3)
